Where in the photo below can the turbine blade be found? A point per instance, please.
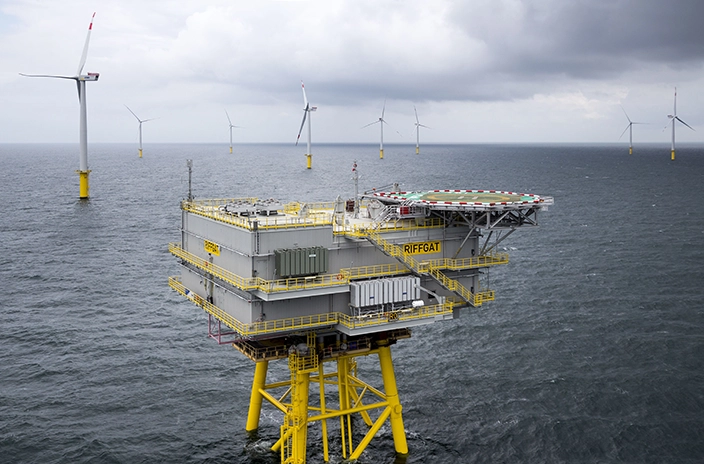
(305, 113)
(128, 109)
(85, 47)
(416, 111)
(383, 109)
(370, 124)
(305, 99)
(228, 118)
(150, 119)
(624, 131)
(49, 75)
(684, 123)
(624, 112)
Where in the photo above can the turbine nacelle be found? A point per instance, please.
(90, 77)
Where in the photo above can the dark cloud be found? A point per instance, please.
(588, 39)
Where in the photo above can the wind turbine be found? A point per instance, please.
(418, 126)
(231, 126)
(673, 120)
(140, 128)
(307, 109)
(629, 128)
(381, 122)
(81, 80)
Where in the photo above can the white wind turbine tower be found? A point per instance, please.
(231, 127)
(381, 122)
(81, 80)
(629, 128)
(306, 109)
(418, 126)
(673, 120)
(140, 128)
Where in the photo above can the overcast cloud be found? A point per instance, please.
(478, 71)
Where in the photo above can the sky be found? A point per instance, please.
(477, 71)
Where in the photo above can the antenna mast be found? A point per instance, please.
(355, 178)
(189, 164)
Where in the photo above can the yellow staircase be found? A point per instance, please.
(427, 267)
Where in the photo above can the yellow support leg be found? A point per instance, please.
(387, 374)
(309, 160)
(83, 184)
(672, 155)
(323, 422)
(630, 150)
(417, 150)
(381, 154)
(230, 150)
(299, 410)
(255, 400)
(345, 419)
(140, 152)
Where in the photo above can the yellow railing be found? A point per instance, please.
(468, 263)
(311, 321)
(377, 270)
(257, 283)
(325, 280)
(211, 209)
(401, 225)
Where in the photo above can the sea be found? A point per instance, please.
(592, 352)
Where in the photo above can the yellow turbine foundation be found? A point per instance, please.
(381, 154)
(83, 184)
(354, 396)
(309, 160)
(230, 150)
(630, 150)
(140, 152)
(417, 150)
(672, 155)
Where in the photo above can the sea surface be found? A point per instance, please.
(593, 350)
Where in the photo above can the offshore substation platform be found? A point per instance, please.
(321, 284)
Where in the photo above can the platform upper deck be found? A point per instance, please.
(252, 213)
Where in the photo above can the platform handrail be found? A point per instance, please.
(314, 320)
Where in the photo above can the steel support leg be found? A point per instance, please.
(299, 406)
(387, 374)
(255, 400)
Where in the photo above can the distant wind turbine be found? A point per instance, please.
(673, 120)
(381, 122)
(629, 128)
(418, 126)
(306, 109)
(140, 128)
(81, 80)
(231, 127)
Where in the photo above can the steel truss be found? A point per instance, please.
(354, 396)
